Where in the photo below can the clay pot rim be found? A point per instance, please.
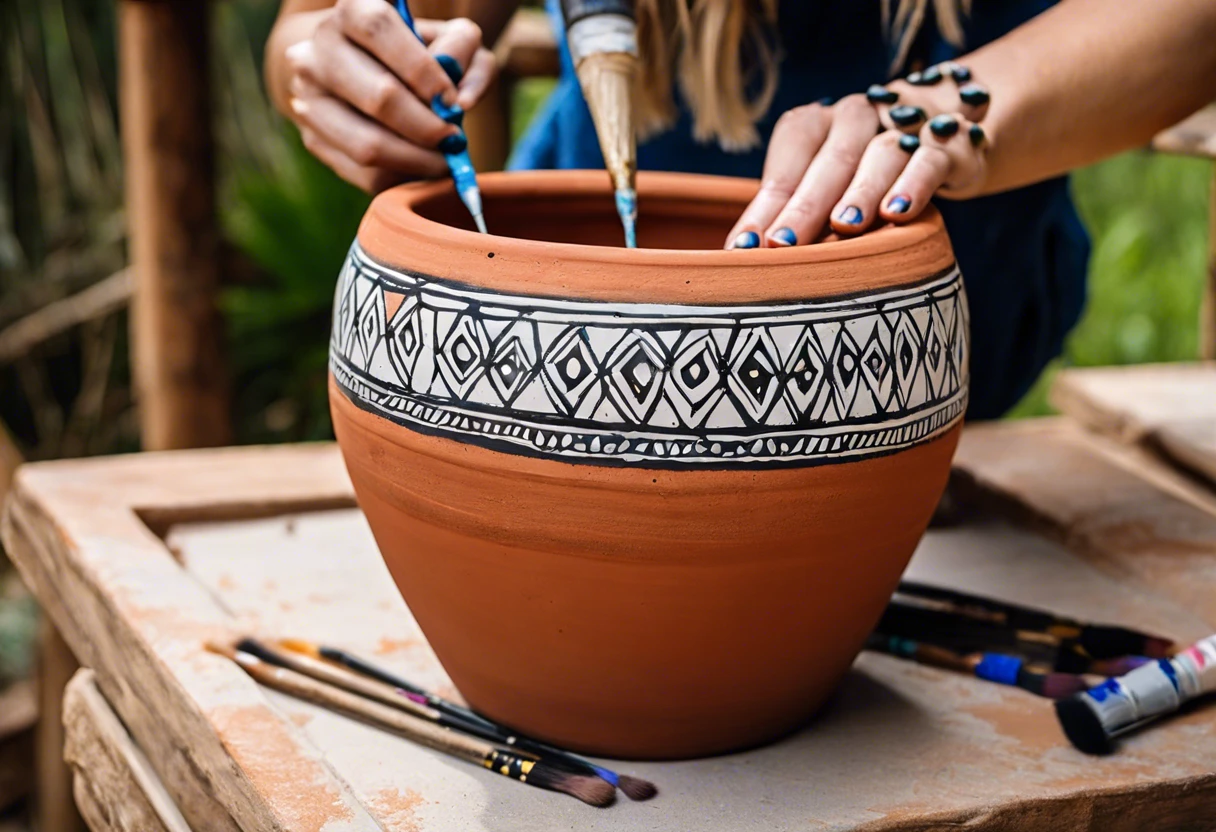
(394, 233)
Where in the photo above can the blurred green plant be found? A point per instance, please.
(297, 224)
(1148, 217)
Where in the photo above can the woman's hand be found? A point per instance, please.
(859, 161)
(360, 88)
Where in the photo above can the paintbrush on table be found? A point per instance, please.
(529, 769)
(941, 625)
(1000, 668)
(1100, 641)
(346, 669)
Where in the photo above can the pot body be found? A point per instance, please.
(643, 504)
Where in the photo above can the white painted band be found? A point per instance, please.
(602, 33)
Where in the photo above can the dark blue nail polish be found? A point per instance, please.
(974, 95)
(452, 115)
(960, 74)
(907, 116)
(784, 237)
(456, 143)
(451, 66)
(878, 94)
(976, 133)
(850, 215)
(943, 126)
(927, 78)
(747, 239)
(826, 101)
(899, 204)
(909, 144)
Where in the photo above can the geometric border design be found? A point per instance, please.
(654, 385)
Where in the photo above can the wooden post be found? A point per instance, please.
(167, 143)
(55, 804)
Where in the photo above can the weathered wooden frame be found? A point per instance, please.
(76, 528)
(114, 785)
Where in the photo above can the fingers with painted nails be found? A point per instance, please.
(826, 168)
(362, 85)
(812, 156)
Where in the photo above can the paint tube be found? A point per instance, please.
(1123, 704)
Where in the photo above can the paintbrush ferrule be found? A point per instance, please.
(601, 34)
(575, 10)
(509, 765)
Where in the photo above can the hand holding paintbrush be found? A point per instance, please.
(377, 97)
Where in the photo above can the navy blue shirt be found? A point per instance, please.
(1023, 254)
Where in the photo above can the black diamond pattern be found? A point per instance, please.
(544, 369)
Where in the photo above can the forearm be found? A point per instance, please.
(1090, 78)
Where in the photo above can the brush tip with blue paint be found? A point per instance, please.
(627, 208)
(455, 147)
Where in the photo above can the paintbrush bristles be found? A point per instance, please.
(607, 79)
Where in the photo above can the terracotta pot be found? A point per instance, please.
(643, 503)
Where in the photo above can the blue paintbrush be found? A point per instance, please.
(454, 148)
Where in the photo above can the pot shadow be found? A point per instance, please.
(843, 761)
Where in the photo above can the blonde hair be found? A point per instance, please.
(722, 56)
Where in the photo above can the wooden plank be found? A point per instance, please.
(1192, 444)
(133, 616)
(168, 151)
(115, 786)
(54, 805)
(18, 716)
(1050, 474)
(1196, 136)
(1170, 408)
(903, 748)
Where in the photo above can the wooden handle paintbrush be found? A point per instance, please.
(519, 767)
(603, 45)
(1101, 641)
(992, 667)
(355, 674)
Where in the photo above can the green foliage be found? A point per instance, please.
(296, 222)
(18, 624)
(1147, 215)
